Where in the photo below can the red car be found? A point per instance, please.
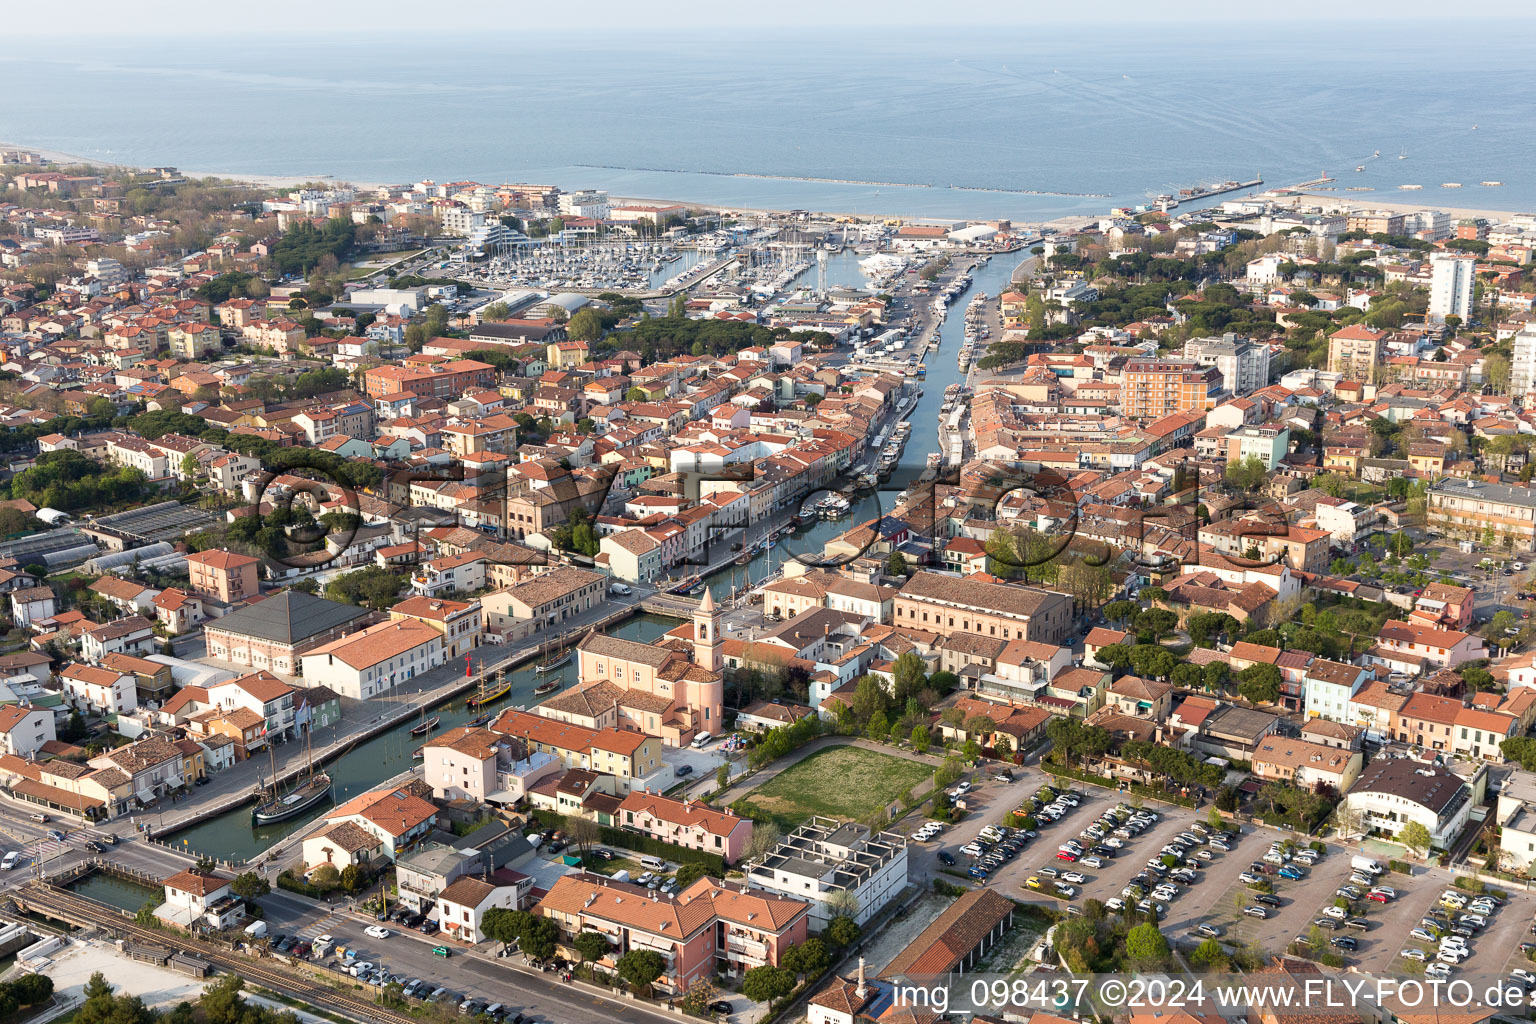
(1379, 897)
(1066, 855)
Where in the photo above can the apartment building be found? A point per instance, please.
(1242, 362)
(1435, 723)
(1413, 648)
(1452, 283)
(708, 928)
(983, 605)
(1392, 791)
(686, 823)
(1269, 445)
(1480, 511)
(1154, 388)
(461, 624)
(1356, 352)
(625, 754)
(224, 575)
(824, 856)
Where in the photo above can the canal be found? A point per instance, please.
(943, 369)
(231, 836)
(118, 892)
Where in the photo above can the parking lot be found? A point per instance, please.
(1218, 894)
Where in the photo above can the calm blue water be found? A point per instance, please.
(1119, 112)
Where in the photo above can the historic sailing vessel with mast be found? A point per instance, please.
(279, 806)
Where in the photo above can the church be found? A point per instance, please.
(672, 689)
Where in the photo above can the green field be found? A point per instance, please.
(841, 782)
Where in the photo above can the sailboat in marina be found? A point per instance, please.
(490, 692)
(561, 657)
(276, 805)
(427, 724)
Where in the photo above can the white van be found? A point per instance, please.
(702, 740)
(654, 863)
(11, 860)
(621, 589)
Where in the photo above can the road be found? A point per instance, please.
(409, 953)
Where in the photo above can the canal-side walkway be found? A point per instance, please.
(362, 720)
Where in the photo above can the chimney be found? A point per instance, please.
(863, 989)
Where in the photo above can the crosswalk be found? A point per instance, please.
(329, 925)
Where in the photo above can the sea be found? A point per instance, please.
(949, 123)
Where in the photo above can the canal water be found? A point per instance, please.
(231, 836)
(118, 892)
(943, 369)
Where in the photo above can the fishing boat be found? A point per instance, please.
(548, 687)
(419, 753)
(1491, 184)
(427, 726)
(489, 694)
(315, 789)
(480, 720)
(744, 558)
(549, 664)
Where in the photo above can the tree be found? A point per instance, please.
(1002, 746)
(896, 564)
(1120, 611)
(842, 932)
(767, 983)
(641, 967)
(221, 1001)
(1210, 955)
(503, 925)
(910, 675)
(353, 878)
(591, 945)
(1259, 683)
(765, 837)
(586, 326)
(809, 958)
(1247, 475)
(326, 876)
(868, 698)
(248, 885)
(540, 937)
(1416, 837)
(842, 903)
(1145, 944)
(696, 1000)
(582, 833)
(689, 873)
(722, 778)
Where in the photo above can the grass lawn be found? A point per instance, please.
(839, 782)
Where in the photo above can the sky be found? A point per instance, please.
(479, 17)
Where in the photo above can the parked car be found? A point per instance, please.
(947, 858)
(1259, 912)
(1346, 942)
(1210, 931)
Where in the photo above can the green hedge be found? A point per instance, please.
(1098, 780)
(288, 881)
(713, 862)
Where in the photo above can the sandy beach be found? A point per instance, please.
(1380, 201)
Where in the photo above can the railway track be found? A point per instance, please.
(53, 901)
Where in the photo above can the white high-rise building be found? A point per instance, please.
(1522, 361)
(1451, 285)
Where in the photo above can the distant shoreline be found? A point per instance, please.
(1069, 221)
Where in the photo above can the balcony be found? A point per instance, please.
(748, 947)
